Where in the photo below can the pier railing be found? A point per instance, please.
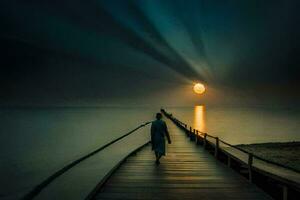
(277, 180)
(38, 188)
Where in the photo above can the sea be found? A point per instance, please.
(36, 142)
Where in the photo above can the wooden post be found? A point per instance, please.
(197, 138)
(193, 136)
(189, 132)
(285, 192)
(186, 131)
(217, 147)
(250, 162)
(228, 161)
(204, 141)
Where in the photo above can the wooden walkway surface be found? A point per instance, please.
(186, 172)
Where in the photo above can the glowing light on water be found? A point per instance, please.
(199, 118)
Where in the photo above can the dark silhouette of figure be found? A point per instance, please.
(158, 132)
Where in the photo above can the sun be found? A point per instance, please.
(199, 88)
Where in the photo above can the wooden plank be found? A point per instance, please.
(187, 172)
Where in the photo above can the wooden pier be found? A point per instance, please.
(187, 172)
(197, 166)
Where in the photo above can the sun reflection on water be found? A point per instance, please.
(199, 118)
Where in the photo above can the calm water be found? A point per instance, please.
(37, 142)
(243, 125)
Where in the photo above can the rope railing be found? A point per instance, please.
(203, 133)
(258, 157)
(226, 143)
(38, 188)
(98, 187)
(211, 136)
(233, 160)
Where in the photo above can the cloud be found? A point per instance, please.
(101, 51)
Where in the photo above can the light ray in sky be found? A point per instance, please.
(176, 35)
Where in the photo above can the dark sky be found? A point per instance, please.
(111, 52)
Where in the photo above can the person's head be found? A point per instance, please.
(158, 116)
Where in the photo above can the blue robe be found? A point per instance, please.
(158, 131)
